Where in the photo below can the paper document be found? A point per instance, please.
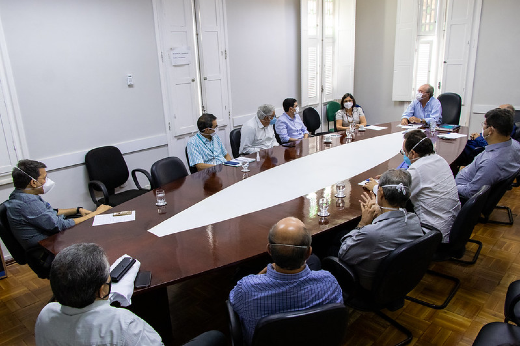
(412, 126)
(451, 135)
(242, 159)
(374, 127)
(107, 219)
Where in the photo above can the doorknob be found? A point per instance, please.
(193, 79)
(205, 78)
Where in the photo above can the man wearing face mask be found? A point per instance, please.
(385, 225)
(424, 109)
(258, 133)
(205, 149)
(30, 217)
(289, 125)
(500, 159)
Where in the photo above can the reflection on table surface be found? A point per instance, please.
(182, 255)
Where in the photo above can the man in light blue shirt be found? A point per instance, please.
(289, 126)
(205, 149)
(500, 159)
(424, 109)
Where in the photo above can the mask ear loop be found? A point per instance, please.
(400, 188)
(21, 170)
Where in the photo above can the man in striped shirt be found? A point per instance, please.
(287, 284)
(205, 149)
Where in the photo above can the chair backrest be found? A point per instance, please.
(322, 325)
(107, 165)
(332, 108)
(15, 249)
(516, 134)
(496, 193)
(404, 268)
(192, 169)
(167, 170)
(234, 140)
(466, 220)
(451, 105)
(311, 119)
(276, 136)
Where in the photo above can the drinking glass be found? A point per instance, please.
(340, 189)
(245, 166)
(323, 204)
(160, 195)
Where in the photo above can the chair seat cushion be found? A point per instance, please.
(498, 333)
(122, 197)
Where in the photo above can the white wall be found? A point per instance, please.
(373, 72)
(496, 73)
(264, 54)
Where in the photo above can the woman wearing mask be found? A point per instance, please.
(349, 111)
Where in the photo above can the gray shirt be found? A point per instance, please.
(96, 324)
(497, 162)
(32, 219)
(365, 248)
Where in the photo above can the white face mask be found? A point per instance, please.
(348, 105)
(48, 186)
(297, 110)
(419, 95)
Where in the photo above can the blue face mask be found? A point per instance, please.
(272, 121)
(407, 160)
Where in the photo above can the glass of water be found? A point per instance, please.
(323, 204)
(340, 189)
(160, 195)
(245, 166)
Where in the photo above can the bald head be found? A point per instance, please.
(508, 107)
(289, 243)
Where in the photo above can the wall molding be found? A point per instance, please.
(482, 109)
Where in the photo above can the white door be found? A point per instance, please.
(212, 59)
(457, 46)
(182, 77)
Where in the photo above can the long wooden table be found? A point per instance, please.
(184, 255)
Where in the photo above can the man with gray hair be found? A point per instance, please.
(258, 133)
(80, 281)
(424, 109)
(385, 225)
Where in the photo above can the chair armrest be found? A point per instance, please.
(512, 298)
(235, 327)
(346, 275)
(96, 185)
(146, 174)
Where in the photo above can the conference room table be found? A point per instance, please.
(180, 256)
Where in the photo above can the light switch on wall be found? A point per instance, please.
(130, 81)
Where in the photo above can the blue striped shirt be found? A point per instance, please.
(257, 296)
(203, 150)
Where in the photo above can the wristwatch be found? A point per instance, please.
(77, 209)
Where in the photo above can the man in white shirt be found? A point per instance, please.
(258, 133)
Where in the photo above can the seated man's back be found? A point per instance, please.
(285, 285)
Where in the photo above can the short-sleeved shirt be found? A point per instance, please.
(357, 112)
(287, 127)
(32, 219)
(257, 296)
(203, 150)
(96, 324)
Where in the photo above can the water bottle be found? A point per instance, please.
(433, 124)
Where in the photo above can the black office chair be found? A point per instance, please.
(192, 169)
(167, 170)
(107, 170)
(30, 257)
(497, 191)
(451, 105)
(234, 140)
(322, 325)
(460, 234)
(503, 333)
(276, 136)
(397, 275)
(312, 121)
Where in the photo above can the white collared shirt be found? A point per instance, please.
(255, 136)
